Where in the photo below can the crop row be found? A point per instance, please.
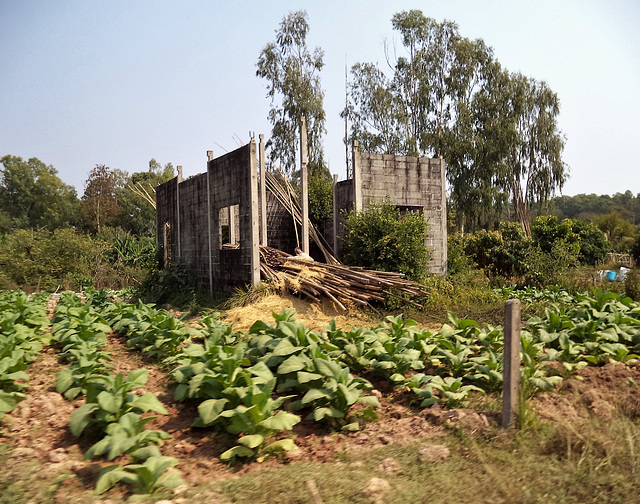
(266, 380)
(112, 411)
(258, 385)
(23, 324)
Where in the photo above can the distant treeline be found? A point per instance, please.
(591, 206)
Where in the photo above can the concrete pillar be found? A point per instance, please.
(511, 373)
(304, 178)
(209, 158)
(233, 233)
(443, 209)
(254, 235)
(357, 178)
(178, 209)
(335, 215)
(165, 244)
(263, 194)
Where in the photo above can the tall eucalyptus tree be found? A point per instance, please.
(293, 76)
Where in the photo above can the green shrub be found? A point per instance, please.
(320, 199)
(46, 260)
(635, 251)
(593, 242)
(547, 231)
(509, 254)
(381, 238)
(632, 284)
(458, 261)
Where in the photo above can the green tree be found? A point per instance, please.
(438, 103)
(99, 203)
(373, 110)
(33, 196)
(593, 242)
(450, 98)
(619, 232)
(292, 73)
(547, 231)
(41, 259)
(320, 199)
(533, 168)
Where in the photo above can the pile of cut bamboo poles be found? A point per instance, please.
(282, 189)
(341, 284)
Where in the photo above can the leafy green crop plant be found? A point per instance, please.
(128, 435)
(109, 398)
(252, 412)
(145, 478)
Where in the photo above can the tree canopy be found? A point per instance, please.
(449, 97)
(292, 72)
(33, 196)
(99, 203)
(138, 215)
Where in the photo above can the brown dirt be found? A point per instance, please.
(598, 391)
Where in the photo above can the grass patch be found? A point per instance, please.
(589, 462)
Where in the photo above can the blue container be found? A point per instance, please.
(611, 275)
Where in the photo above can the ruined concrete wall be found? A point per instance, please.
(194, 239)
(194, 211)
(410, 183)
(166, 220)
(233, 181)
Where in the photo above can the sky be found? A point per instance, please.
(120, 82)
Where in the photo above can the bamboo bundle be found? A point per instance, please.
(342, 284)
(286, 195)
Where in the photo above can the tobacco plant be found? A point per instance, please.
(153, 474)
(109, 398)
(128, 435)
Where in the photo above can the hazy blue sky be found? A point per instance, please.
(121, 82)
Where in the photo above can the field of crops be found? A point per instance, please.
(257, 386)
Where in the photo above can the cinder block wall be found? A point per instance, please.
(194, 240)
(403, 181)
(193, 210)
(344, 205)
(281, 233)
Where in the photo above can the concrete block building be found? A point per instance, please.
(412, 184)
(216, 221)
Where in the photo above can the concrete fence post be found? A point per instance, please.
(511, 373)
